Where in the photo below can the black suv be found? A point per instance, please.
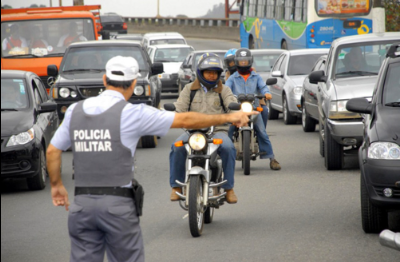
(379, 155)
(81, 75)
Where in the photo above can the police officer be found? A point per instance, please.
(103, 132)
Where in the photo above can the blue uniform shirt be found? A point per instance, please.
(254, 84)
(136, 120)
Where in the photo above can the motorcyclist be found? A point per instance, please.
(229, 61)
(246, 81)
(208, 95)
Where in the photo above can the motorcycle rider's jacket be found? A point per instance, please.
(205, 102)
(254, 84)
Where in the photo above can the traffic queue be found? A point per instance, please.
(346, 90)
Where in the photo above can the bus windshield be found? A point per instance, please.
(43, 38)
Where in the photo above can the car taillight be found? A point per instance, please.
(125, 26)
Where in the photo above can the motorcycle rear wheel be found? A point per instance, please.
(196, 207)
(246, 152)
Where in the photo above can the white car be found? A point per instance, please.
(167, 38)
(172, 57)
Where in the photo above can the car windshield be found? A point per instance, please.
(95, 58)
(172, 54)
(363, 59)
(195, 59)
(168, 42)
(391, 90)
(302, 64)
(13, 94)
(39, 38)
(264, 62)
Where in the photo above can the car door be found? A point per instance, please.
(275, 88)
(280, 85)
(311, 90)
(42, 120)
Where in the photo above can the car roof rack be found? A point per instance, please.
(394, 51)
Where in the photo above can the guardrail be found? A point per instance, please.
(188, 27)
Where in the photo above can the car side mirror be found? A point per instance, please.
(47, 107)
(317, 76)
(235, 106)
(277, 74)
(170, 107)
(359, 105)
(271, 81)
(52, 70)
(157, 68)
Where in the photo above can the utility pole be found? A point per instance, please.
(60, 2)
(158, 8)
(79, 2)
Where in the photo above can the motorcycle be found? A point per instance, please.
(390, 239)
(244, 138)
(202, 192)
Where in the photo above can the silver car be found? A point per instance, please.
(290, 69)
(264, 59)
(352, 70)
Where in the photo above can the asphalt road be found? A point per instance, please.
(300, 213)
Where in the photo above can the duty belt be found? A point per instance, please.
(107, 191)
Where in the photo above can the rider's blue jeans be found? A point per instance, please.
(178, 155)
(263, 139)
(264, 114)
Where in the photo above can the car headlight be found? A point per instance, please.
(139, 90)
(338, 110)
(22, 138)
(247, 107)
(65, 92)
(197, 141)
(384, 150)
(298, 90)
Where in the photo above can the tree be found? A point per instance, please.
(392, 9)
(6, 7)
(34, 6)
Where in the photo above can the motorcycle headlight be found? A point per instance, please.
(65, 92)
(247, 107)
(297, 90)
(22, 138)
(338, 110)
(383, 150)
(139, 90)
(197, 141)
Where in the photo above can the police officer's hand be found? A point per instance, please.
(268, 96)
(240, 119)
(60, 196)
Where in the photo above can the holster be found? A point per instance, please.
(138, 196)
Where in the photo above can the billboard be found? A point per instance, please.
(342, 7)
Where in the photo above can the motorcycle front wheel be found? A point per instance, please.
(246, 152)
(196, 207)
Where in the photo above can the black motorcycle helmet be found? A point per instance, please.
(230, 57)
(209, 61)
(243, 54)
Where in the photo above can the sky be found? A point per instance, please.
(134, 8)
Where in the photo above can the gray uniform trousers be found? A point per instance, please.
(104, 223)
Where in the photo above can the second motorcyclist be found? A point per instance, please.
(246, 81)
(207, 95)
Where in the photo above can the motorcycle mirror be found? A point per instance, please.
(170, 107)
(234, 106)
(271, 81)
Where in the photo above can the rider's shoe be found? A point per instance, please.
(230, 197)
(174, 196)
(274, 165)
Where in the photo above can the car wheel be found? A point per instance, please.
(333, 151)
(149, 141)
(321, 139)
(307, 122)
(288, 119)
(272, 113)
(374, 219)
(38, 182)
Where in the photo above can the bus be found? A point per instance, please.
(295, 24)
